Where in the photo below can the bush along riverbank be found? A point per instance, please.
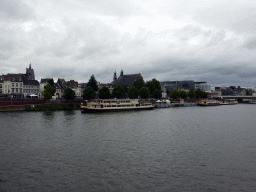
(63, 107)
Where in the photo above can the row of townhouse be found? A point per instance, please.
(60, 87)
(19, 85)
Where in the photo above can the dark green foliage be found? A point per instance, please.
(157, 94)
(48, 92)
(200, 94)
(191, 94)
(92, 83)
(69, 94)
(118, 92)
(133, 93)
(89, 93)
(183, 94)
(168, 91)
(104, 93)
(175, 94)
(144, 93)
(139, 83)
(204, 94)
(152, 85)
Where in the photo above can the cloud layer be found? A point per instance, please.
(167, 40)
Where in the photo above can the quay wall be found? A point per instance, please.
(21, 105)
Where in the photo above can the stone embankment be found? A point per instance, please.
(18, 105)
(21, 105)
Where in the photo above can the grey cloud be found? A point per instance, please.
(14, 10)
(232, 16)
(250, 44)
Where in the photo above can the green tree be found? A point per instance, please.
(133, 93)
(175, 94)
(118, 92)
(139, 83)
(191, 94)
(89, 93)
(157, 94)
(93, 83)
(104, 93)
(152, 85)
(168, 91)
(69, 94)
(183, 94)
(48, 92)
(204, 94)
(198, 93)
(144, 93)
(157, 84)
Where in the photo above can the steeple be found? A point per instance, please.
(121, 73)
(30, 73)
(115, 77)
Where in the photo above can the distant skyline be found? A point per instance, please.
(198, 40)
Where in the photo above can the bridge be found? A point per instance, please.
(238, 98)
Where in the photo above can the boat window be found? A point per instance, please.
(113, 105)
(108, 105)
(118, 105)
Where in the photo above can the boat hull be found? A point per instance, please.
(89, 110)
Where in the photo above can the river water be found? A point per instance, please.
(171, 149)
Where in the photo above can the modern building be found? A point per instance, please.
(178, 85)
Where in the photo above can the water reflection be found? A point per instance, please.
(177, 149)
(48, 114)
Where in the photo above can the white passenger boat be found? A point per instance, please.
(228, 102)
(100, 105)
(208, 102)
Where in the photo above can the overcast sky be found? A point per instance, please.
(200, 40)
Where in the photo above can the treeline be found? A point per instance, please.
(140, 88)
(191, 94)
(150, 89)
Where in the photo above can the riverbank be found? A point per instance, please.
(63, 107)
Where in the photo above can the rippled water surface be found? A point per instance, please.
(174, 149)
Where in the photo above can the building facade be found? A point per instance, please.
(178, 85)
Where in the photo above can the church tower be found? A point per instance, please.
(115, 77)
(30, 73)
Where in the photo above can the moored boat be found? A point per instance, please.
(208, 102)
(101, 105)
(228, 102)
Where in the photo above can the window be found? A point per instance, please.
(12, 84)
(17, 85)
